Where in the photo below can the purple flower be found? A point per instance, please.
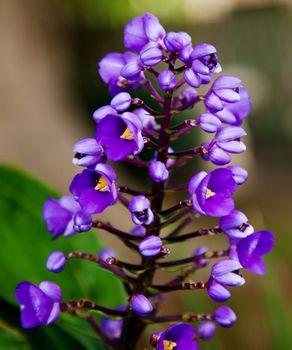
(205, 60)
(95, 190)
(211, 193)
(151, 55)
(158, 171)
(121, 102)
(56, 261)
(188, 94)
(217, 292)
(166, 80)
(58, 215)
(142, 214)
(141, 30)
(112, 328)
(106, 253)
(139, 231)
(225, 89)
(87, 152)
(120, 135)
(39, 305)
(141, 305)
(103, 112)
(179, 336)
(226, 273)
(235, 225)
(199, 251)
(240, 175)
(82, 222)
(224, 316)
(147, 120)
(235, 113)
(175, 42)
(206, 330)
(209, 123)
(252, 248)
(150, 246)
(110, 68)
(227, 140)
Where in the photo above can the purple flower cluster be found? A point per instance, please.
(124, 128)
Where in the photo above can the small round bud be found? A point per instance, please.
(224, 316)
(121, 102)
(56, 261)
(139, 207)
(106, 253)
(150, 246)
(158, 171)
(217, 292)
(206, 330)
(141, 305)
(166, 80)
(139, 231)
(82, 222)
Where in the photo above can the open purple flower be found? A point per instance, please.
(252, 248)
(59, 215)
(120, 135)
(95, 189)
(141, 30)
(179, 336)
(211, 193)
(39, 305)
(139, 207)
(87, 152)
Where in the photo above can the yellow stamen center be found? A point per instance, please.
(209, 193)
(168, 345)
(127, 135)
(102, 185)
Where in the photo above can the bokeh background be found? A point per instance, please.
(49, 88)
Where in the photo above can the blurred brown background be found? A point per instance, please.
(49, 88)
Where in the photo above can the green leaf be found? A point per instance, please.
(26, 244)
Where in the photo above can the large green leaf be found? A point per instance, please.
(25, 246)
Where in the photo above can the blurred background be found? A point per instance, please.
(49, 88)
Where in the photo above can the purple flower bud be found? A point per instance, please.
(216, 155)
(199, 251)
(112, 328)
(103, 112)
(106, 253)
(56, 261)
(151, 55)
(87, 152)
(141, 30)
(188, 94)
(39, 305)
(139, 231)
(121, 101)
(217, 292)
(177, 41)
(139, 207)
(209, 122)
(131, 71)
(192, 78)
(240, 175)
(252, 248)
(224, 316)
(214, 103)
(226, 273)
(147, 120)
(141, 305)
(58, 215)
(150, 246)
(82, 222)
(206, 54)
(158, 171)
(235, 225)
(206, 330)
(166, 80)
